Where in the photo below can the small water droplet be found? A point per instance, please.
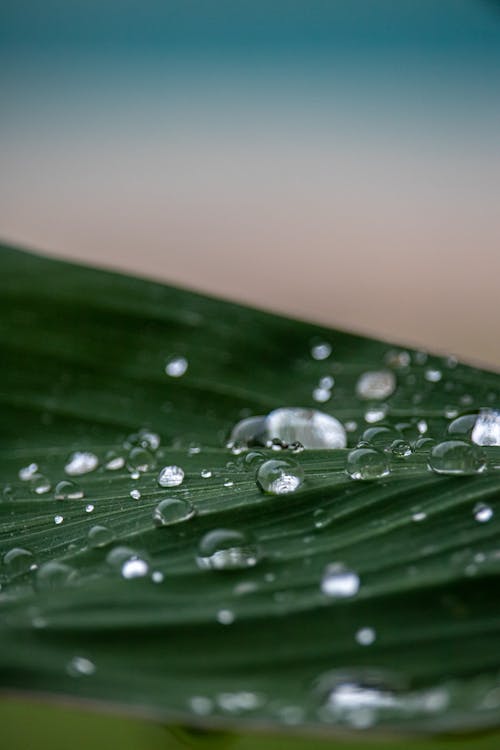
(486, 429)
(321, 518)
(380, 437)
(225, 616)
(18, 560)
(40, 485)
(461, 428)
(170, 476)
(100, 536)
(81, 462)
(433, 375)
(483, 513)
(68, 490)
(339, 582)
(397, 358)
(172, 510)
(419, 516)
(366, 636)
(423, 445)
(375, 414)
(279, 477)
(226, 549)
(200, 705)
(400, 449)
(376, 385)
(53, 574)
(135, 494)
(456, 457)
(176, 367)
(205, 473)
(321, 395)
(367, 464)
(28, 472)
(114, 461)
(249, 431)
(310, 427)
(128, 562)
(140, 459)
(58, 519)
(79, 666)
(321, 351)
(327, 382)
(89, 508)
(157, 576)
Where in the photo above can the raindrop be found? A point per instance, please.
(53, 574)
(419, 516)
(205, 473)
(89, 508)
(456, 457)
(140, 459)
(175, 367)
(375, 414)
(321, 518)
(81, 462)
(339, 582)
(226, 549)
(366, 636)
(113, 461)
(321, 395)
(483, 513)
(172, 510)
(170, 476)
(311, 428)
(433, 375)
(462, 427)
(377, 384)
(249, 431)
(128, 562)
(327, 382)
(321, 351)
(487, 428)
(68, 490)
(423, 445)
(135, 494)
(366, 464)
(28, 472)
(228, 483)
(380, 437)
(279, 477)
(100, 536)
(157, 576)
(400, 449)
(40, 485)
(225, 616)
(397, 358)
(79, 666)
(18, 560)
(58, 519)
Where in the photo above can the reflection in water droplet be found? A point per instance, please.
(279, 477)
(28, 472)
(226, 549)
(456, 457)
(321, 350)
(68, 490)
(366, 464)
(100, 536)
(486, 429)
(175, 367)
(483, 513)
(81, 462)
(79, 666)
(170, 476)
(339, 582)
(18, 560)
(377, 384)
(53, 574)
(310, 427)
(172, 510)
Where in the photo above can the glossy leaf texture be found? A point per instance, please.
(346, 607)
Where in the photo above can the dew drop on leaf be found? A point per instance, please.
(226, 549)
(376, 385)
(172, 510)
(68, 490)
(367, 464)
(81, 462)
(279, 476)
(100, 536)
(456, 457)
(170, 476)
(339, 582)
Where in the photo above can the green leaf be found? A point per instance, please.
(414, 652)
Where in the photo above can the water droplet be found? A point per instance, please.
(145, 439)
(135, 494)
(40, 485)
(200, 705)
(321, 395)
(456, 457)
(81, 462)
(433, 375)
(239, 702)
(321, 518)
(424, 445)
(377, 384)
(89, 508)
(172, 510)
(366, 636)
(225, 616)
(28, 472)
(205, 473)
(380, 437)
(170, 476)
(483, 513)
(175, 367)
(68, 490)
(18, 560)
(79, 666)
(366, 464)
(419, 516)
(311, 428)
(486, 429)
(140, 459)
(375, 414)
(249, 431)
(226, 549)
(397, 358)
(339, 582)
(128, 562)
(58, 519)
(279, 477)
(100, 536)
(400, 449)
(422, 426)
(157, 576)
(461, 427)
(321, 351)
(53, 574)
(114, 461)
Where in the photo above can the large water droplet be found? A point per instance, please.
(18, 560)
(140, 459)
(487, 428)
(170, 476)
(81, 462)
(172, 510)
(279, 477)
(53, 575)
(249, 431)
(376, 385)
(175, 367)
(456, 457)
(310, 427)
(28, 472)
(461, 427)
(128, 562)
(100, 536)
(339, 582)
(366, 464)
(226, 549)
(68, 490)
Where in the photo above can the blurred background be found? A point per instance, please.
(337, 161)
